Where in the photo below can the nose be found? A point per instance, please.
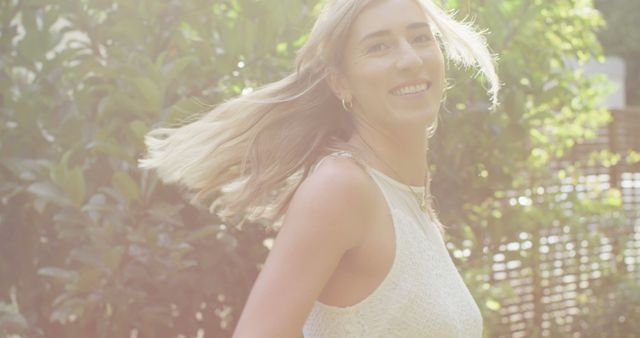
(408, 59)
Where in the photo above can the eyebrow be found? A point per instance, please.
(411, 26)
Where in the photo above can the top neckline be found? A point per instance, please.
(396, 183)
(385, 177)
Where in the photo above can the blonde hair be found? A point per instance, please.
(249, 154)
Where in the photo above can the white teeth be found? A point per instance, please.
(410, 89)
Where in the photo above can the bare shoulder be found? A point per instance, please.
(339, 193)
(326, 217)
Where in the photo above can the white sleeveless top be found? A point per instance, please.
(423, 295)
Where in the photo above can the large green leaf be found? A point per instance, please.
(124, 184)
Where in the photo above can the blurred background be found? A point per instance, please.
(542, 197)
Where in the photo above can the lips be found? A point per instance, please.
(411, 87)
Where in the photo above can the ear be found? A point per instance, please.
(338, 84)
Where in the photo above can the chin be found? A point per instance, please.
(422, 118)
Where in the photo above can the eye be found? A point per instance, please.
(422, 38)
(375, 48)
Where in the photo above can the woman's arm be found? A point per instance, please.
(326, 217)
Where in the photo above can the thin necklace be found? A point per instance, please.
(423, 201)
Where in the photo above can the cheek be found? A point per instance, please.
(437, 67)
(369, 70)
(368, 80)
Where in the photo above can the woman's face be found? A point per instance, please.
(393, 68)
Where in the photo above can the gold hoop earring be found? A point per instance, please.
(347, 106)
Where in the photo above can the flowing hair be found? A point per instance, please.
(249, 154)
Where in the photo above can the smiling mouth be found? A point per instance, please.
(411, 89)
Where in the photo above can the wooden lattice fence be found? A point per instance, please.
(567, 266)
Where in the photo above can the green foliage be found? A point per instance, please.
(546, 107)
(92, 246)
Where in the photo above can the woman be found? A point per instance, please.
(336, 154)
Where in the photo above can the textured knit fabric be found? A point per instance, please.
(423, 295)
